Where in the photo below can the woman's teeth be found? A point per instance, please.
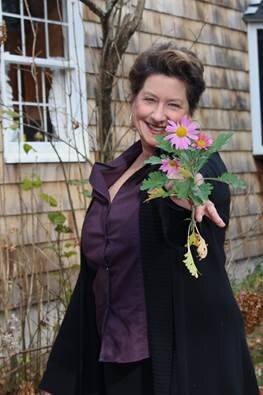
(155, 128)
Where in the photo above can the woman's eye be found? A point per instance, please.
(149, 99)
(174, 105)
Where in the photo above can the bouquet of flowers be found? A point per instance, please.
(185, 150)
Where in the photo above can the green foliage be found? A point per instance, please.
(63, 229)
(253, 282)
(48, 199)
(220, 141)
(87, 193)
(233, 180)
(182, 188)
(153, 160)
(28, 184)
(156, 179)
(199, 194)
(27, 148)
(77, 182)
(57, 218)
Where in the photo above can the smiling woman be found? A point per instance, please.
(137, 323)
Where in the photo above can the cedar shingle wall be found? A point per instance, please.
(222, 46)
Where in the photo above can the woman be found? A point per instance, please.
(138, 323)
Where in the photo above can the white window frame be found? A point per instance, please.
(65, 150)
(256, 121)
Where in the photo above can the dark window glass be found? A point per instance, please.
(56, 47)
(55, 11)
(34, 8)
(13, 30)
(11, 6)
(35, 39)
(260, 63)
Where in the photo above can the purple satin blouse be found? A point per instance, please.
(111, 243)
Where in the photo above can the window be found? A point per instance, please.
(43, 81)
(254, 17)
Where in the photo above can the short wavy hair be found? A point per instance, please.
(170, 61)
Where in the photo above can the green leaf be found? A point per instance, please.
(37, 182)
(165, 145)
(153, 160)
(156, 179)
(63, 229)
(68, 254)
(68, 245)
(200, 193)
(87, 193)
(190, 264)
(232, 180)
(182, 188)
(57, 218)
(48, 199)
(27, 148)
(27, 184)
(221, 140)
(77, 182)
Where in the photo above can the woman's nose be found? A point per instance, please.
(158, 115)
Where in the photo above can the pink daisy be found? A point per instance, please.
(203, 141)
(181, 133)
(171, 167)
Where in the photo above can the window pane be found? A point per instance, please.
(11, 6)
(12, 82)
(13, 42)
(55, 11)
(260, 65)
(33, 121)
(56, 47)
(31, 84)
(35, 39)
(34, 8)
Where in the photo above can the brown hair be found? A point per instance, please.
(171, 61)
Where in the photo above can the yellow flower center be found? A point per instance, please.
(173, 163)
(181, 131)
(201, 143)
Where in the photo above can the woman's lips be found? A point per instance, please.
(155, 129)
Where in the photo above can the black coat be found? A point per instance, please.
(196, 332)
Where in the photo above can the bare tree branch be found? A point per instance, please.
(116, 33)
(94, 8)
(109, 6)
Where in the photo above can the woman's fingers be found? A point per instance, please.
(210, 211)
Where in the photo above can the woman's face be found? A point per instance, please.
(161, 99)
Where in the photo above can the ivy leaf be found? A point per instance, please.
(48, 199)
(68, 254)
(27, 148)
(87, 193)
(221, 140)
(77, 182)
(190, 264)
(27, 184)
(232, 180)
(153, 160)
(57, 218)
(60, 228)
(156, 179)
